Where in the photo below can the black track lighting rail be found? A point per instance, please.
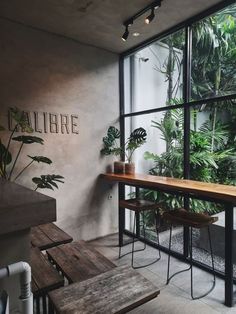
(151, 6)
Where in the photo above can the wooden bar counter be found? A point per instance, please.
(20, 209)
(217, 193)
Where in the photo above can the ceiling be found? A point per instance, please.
(99, 22)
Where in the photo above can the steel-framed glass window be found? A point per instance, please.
(191, 99)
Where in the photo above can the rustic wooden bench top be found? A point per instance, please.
(44, 275)
(48, 235)
(79, 261)
(116, 291)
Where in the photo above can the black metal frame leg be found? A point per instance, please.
(229, 222)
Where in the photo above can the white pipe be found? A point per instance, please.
(24, 270)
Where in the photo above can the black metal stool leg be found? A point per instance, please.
(157, 233)
(168, 267)
(213, 268)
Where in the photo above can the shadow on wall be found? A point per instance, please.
(34, 63)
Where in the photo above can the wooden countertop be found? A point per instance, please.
(22, 208)
(221, 192)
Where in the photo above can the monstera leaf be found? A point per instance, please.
(110, 147)
(5, 155)
(47, 181)
(41, 159)
(113, 132)
(27, 139)
(137, 138)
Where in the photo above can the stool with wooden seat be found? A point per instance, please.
(45, 278)
(192, 220)
(48, 235)
(140, 206)
(78, 261)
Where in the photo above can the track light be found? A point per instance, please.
(126, 33)
(152, 6)
(150, 17)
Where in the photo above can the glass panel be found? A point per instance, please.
(213, 55)
(212, 159)
(162, 154)
(153, 76)
(213, 143)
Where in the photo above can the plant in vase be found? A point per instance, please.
(8, 163)
(111, 146)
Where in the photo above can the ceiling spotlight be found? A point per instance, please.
(126, 33)
(136, 34)
(150, 17)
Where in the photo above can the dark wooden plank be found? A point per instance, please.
(44, 275)
(116, 291)
(79, 261)
(39, 239)
(48, 235)
(57, 235)
(217, 191)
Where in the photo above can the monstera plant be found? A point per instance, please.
(111, 146)
(8, 161)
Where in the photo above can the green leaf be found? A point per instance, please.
(113, 132)
(47, 181)
(41, 159)
(5, 156)
(26, 139)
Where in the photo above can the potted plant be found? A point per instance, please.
(111, 146)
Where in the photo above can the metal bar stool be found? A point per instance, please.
(140, 206)
(192, 220)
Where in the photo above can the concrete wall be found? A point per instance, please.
(47, 73)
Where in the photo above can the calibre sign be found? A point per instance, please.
(46, 122)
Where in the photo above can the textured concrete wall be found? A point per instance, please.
(45, 73)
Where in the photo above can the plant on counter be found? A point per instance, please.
(8, 164)
(111, 145)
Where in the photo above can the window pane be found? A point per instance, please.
(153, 76)
(212, 159)
(213, 143)
(213, 55)
(162, 154)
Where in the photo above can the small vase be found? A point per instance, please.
(129, 168)
(119, 167)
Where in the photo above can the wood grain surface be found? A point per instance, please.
(44, 275)
(48, 235)
(79, 261)
(116, 291)
(220, 192)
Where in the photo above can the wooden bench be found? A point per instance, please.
(48, 235)
(79, 261)
(45, 278)
(117, 291)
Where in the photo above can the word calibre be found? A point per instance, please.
(45, 122)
